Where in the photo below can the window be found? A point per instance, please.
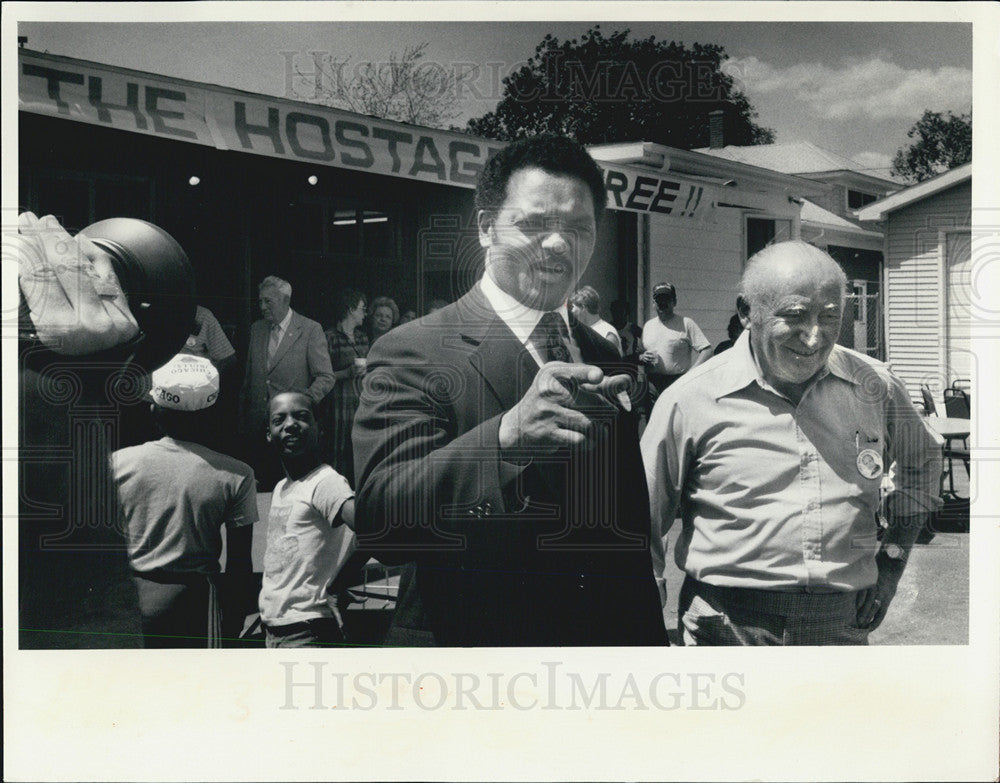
(378, 233)
(66, 197)
(345, 232)
(761, 232)
(857, 199)
(341, 229)
(303, 227)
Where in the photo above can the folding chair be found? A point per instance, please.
(957, 406)
(952, 450)
(930, 409)
(956, 402)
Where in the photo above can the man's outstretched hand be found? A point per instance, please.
(73, 295)
(561, 407)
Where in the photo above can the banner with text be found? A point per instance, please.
(261, 125)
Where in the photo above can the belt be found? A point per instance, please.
(775, 601)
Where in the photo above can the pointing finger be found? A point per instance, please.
(615, 389)
(582, 373)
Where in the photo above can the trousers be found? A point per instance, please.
(319, 632)
(178, 610)
(708, 615)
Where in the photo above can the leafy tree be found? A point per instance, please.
(403, 89)
(601, 89)
(942, 142)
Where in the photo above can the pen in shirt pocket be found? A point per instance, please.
(868, 440)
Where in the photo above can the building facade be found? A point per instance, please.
(928, 279)
(252, 185)
(829, 222)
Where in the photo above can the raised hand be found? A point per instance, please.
(73, 295)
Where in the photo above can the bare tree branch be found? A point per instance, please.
(404, 88)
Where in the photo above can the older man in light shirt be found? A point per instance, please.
(773, 453)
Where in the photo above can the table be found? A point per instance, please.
(949, 428)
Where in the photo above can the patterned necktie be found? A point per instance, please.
(550, 338)
(273, 342)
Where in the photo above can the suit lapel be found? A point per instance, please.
(502, 360)
(497, 355)
(258, 345)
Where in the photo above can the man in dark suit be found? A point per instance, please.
(495, 446)
(287, 352)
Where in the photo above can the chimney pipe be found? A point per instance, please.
(716, 135)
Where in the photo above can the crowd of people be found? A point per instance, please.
(522, 459)
(300, 389)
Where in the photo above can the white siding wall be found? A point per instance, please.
(704, 261)
(913, 288)
(833, 200)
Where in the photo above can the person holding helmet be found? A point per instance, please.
(97, 312)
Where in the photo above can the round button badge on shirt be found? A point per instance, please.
(870, 464)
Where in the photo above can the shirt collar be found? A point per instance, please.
(842, 364)
(520, 319)
(283, 326)
(739, 368)
(742, 368)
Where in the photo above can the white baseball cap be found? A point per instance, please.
(185, 383)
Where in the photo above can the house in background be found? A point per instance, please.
(252, 185)
(928, 287)
(828, 222)
(742, 209)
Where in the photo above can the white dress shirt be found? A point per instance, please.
(522, 319)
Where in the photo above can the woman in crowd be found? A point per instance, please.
(348, 351)
(585, 305)
(384, 314)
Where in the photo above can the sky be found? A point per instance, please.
(854, 88)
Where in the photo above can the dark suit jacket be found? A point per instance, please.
(301, 363)
(554, 552)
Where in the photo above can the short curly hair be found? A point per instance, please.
(547, 151)
(385, 301)
(587, 298)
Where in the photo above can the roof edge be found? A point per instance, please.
(877, 210)
(685, 162)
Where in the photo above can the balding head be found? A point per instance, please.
(772, 267)
(793, 296)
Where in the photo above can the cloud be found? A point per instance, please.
(874, 88)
